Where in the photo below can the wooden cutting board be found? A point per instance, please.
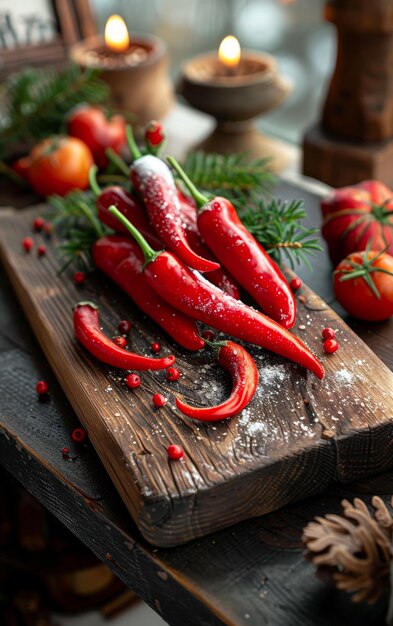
(297, 435)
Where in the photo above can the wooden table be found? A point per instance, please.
(251, 574)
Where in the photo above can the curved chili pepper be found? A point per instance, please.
(128, 206)
(154, 182)
(219, 277)
(87, 331)
(192, 294)
(121, 259)
(133, 211)
(239, 363)
(237, 249)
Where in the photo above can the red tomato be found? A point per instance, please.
(358, 215)
(361, 299)
(58, 165)
(89, 124)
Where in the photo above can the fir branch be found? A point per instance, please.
(75, 219)
(37, 100)
(233, 175)
(277, 225)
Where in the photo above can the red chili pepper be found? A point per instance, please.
(87, 331)
(121, 259)
(131, 208)
(192, 294)
(154, 182)
(133, 211)
(219, 277)
(238, 362)
(237, 249)
(154, 134)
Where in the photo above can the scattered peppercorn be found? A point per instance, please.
(38, 223)
(78, 435)
(27, 244)
(155, 347)
(172, 373)
(133, 381)
(124, 327)
(330, 345)
(42, 387)
(159, 400)
(328, 333)
(175, 452)
(41, 250)
(65, 452)
(209, 335)
(47, 228)
(295, 284)
(120, 341)
(79, 278)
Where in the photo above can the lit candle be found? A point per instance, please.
(135, 69)
(229, 54)
(116, 34)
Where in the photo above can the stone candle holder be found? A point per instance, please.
(236, 100)
(138, 78)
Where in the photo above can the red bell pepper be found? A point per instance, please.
(87, 331)
(192, 294)
(239, 252)
(121, 259)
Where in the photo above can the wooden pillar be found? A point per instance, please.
(354, 140)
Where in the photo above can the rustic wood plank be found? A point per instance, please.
(241, 468)
(255, 568)
(247, 575)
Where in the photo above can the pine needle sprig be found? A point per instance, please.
(233, 176)
(37, 100)
(277, 225)
(75, 218)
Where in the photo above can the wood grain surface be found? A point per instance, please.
(296, 436)
(251, 574)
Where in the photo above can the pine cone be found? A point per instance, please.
(355, 549)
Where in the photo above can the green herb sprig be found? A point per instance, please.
(277, 225)
(36, 102)
(75, 219)
(232, 175)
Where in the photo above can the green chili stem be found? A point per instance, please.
(132, 145)
(94, 186)
(199, 198)
(117, 161)
(147, 250)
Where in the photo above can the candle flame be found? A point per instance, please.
(116, 34)
(229, 51)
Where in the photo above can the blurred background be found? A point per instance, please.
(292, 30)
